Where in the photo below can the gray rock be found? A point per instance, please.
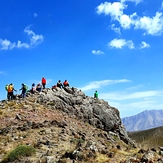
(50, 159)
(94, 111)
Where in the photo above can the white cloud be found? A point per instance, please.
(125, 21)
(114, 9)
(116, 29)
(144, 45)
(126, 96)
(133, 108)
(161, 5)
(22, 45)
(35, 15)
(151, 25)
(98, 84)
(119, 43)
(34, 40)
(6, 44)
(97, 52)
(136, 1)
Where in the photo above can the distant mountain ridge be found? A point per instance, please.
(145, 120)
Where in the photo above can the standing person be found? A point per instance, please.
(65, 83)
(43, 82)
(10, 90)
(59, 84)
(24, 90)
(96, 95)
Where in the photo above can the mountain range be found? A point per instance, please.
(145, 120)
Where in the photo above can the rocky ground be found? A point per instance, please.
(65, 126)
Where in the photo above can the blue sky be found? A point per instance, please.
(114, 47)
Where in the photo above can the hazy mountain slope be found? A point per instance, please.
(148, 138)
(144, 120)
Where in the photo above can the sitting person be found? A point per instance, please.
(59, 84)
(54, 87)
(33, 89)
(96, 95)
(39, 87)
(65, 83)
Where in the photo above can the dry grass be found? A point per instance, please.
(102, 158)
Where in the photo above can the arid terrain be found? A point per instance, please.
(57, 128)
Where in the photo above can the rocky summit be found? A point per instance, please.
(66, 126)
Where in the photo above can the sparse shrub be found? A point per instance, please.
(77, 140)
(51, 103)
(18, 152)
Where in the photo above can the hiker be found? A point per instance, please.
(24, 90)
(59, 84)
(54, 87)
(38, 87)
(43, 82)
(65, 83)
(96, 95)
(10, 90)
(33, 89)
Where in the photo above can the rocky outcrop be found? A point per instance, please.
(66, 126)
(96, 112)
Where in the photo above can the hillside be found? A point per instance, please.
(65, 126)
(152, 138)
(144, 120)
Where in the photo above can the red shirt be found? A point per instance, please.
(43, 81)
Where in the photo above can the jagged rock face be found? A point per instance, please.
(94, 111)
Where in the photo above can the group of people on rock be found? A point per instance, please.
(61, 85)
(24, 88)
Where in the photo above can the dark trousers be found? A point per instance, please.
(43, 85)
(23, 94)
(10, 95)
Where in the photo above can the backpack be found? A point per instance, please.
(10, 88)
(6, 87)
(26, 87)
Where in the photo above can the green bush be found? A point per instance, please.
(18, 152)
(75, 140)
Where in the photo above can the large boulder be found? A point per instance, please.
(96, 112)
